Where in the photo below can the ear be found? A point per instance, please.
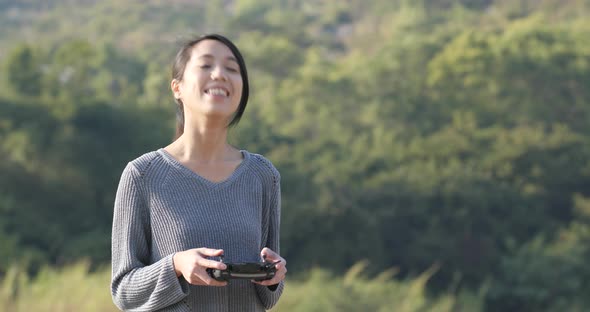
(175, 86)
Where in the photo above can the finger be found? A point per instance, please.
(208, 252)
(281, 266)
(275, 280)
(205, 279)
(269, 254)
(206, 263)
(200, 280)
(280, 275)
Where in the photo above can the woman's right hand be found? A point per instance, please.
(192, 264)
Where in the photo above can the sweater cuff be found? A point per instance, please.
(269, 295)
(151, 287)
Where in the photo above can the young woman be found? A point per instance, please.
(179, 208)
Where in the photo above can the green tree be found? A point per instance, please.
(23, 71)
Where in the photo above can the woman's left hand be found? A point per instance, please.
(271, 256)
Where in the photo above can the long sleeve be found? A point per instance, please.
(269, 295)
(137, 284)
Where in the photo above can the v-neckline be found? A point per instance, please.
(180, 166)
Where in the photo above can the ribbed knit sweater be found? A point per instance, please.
(162, 207)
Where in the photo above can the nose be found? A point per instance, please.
(218, 73)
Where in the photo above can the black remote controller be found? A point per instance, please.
(258, 271)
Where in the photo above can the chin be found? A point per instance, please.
(219, 114)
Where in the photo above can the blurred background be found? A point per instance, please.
(435, 154)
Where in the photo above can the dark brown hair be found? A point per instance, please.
(183, 57)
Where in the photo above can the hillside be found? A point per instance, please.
(451, 134)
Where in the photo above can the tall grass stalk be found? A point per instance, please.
(74, 288)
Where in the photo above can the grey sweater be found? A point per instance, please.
(162, 207)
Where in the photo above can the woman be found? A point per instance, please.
(179, 208)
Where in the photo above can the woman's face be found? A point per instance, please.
(212, 84)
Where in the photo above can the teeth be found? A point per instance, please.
(217, 91)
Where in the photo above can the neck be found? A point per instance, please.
(203, 142)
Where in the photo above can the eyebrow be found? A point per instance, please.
(229, 58)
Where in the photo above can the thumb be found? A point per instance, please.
(268, 254)
(208, 252)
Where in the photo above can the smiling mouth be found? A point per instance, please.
(217, 91)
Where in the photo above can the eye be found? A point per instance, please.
(232, 69)
(205, 66)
